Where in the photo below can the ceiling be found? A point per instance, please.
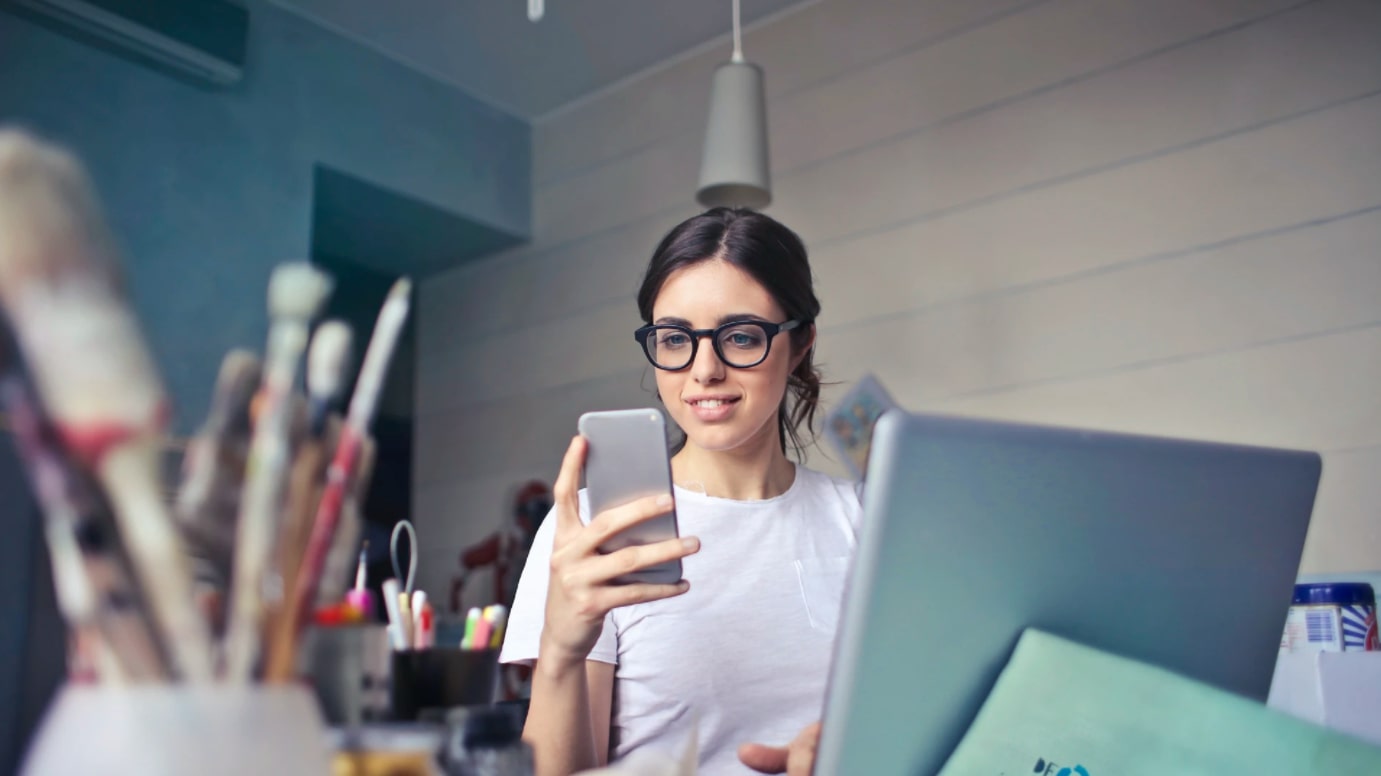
(489, 49)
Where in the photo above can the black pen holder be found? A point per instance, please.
(427, 682)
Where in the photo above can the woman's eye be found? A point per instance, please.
(743, 339)
(674, 339)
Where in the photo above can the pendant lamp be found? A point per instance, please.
(734, 169)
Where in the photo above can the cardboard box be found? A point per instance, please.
(1338, 690)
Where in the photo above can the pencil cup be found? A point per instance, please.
(161, 729)
(429, 681)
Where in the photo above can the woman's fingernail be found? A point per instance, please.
(664, 500)
(690, 543)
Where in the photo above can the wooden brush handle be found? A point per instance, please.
(160, 563)
(304, 493)
(96, 591)
(338, 478)
(302, 595)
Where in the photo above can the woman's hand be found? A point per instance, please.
(795, 759)
(579, 592)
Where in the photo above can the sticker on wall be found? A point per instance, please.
(849, 426)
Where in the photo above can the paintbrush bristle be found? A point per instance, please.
(326, 360)
(49, 219)
(221, 438)
(382, 342)
(401, 290)
(297, 291)
(59, 283)
(239, 378)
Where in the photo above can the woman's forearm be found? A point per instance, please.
(559, 727)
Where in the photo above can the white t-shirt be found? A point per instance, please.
(746, 651)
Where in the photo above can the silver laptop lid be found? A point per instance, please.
(1182, 554)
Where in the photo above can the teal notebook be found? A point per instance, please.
(1063, 709)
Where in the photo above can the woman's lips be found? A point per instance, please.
(712, 409)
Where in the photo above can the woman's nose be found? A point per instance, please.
(707, 368)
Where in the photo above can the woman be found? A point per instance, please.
(741, 647)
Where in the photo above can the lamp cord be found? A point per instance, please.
(738, 36)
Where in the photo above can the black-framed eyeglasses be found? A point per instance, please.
(739, 344)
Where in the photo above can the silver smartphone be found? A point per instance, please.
(626, 460)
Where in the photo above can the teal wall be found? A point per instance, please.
(207, 190)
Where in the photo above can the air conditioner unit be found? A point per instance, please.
(201, 39)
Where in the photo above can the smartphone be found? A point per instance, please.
(626, 460)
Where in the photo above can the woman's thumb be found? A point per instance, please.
(763, 758)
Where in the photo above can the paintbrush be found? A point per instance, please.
(327, 360)
(326, 366)
(335, 576)
(296, 292)
(59, 284)
(95, 590)
(213, 471)
(341, 558)
(353, 438)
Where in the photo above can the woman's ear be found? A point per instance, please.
(804, 351)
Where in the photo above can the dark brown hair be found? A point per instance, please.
(775, 257)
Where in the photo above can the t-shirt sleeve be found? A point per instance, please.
(523, 635)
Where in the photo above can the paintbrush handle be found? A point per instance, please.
(342, 558)
(213, 469)
(262, 500)
(159, 561)
(253, 547)
(280, 658)
(93, 585)
(338, 477)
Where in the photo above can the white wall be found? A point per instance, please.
(1157, 216)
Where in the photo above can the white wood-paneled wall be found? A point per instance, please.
(1157, 216)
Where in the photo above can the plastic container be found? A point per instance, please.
(350, 670)
(175, 729)
(1332, 617)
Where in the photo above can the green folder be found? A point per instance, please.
(1063, 709)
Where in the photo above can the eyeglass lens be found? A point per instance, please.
(739, 345)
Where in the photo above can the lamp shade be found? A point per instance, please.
(734, 170)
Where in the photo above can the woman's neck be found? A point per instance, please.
(755, 471)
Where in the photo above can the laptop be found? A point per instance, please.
(1180, 554)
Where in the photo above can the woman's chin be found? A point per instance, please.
(719, 438)
(715, 443)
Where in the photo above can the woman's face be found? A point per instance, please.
(720, 407)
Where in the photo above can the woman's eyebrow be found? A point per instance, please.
(668, 320)
(737, 317)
